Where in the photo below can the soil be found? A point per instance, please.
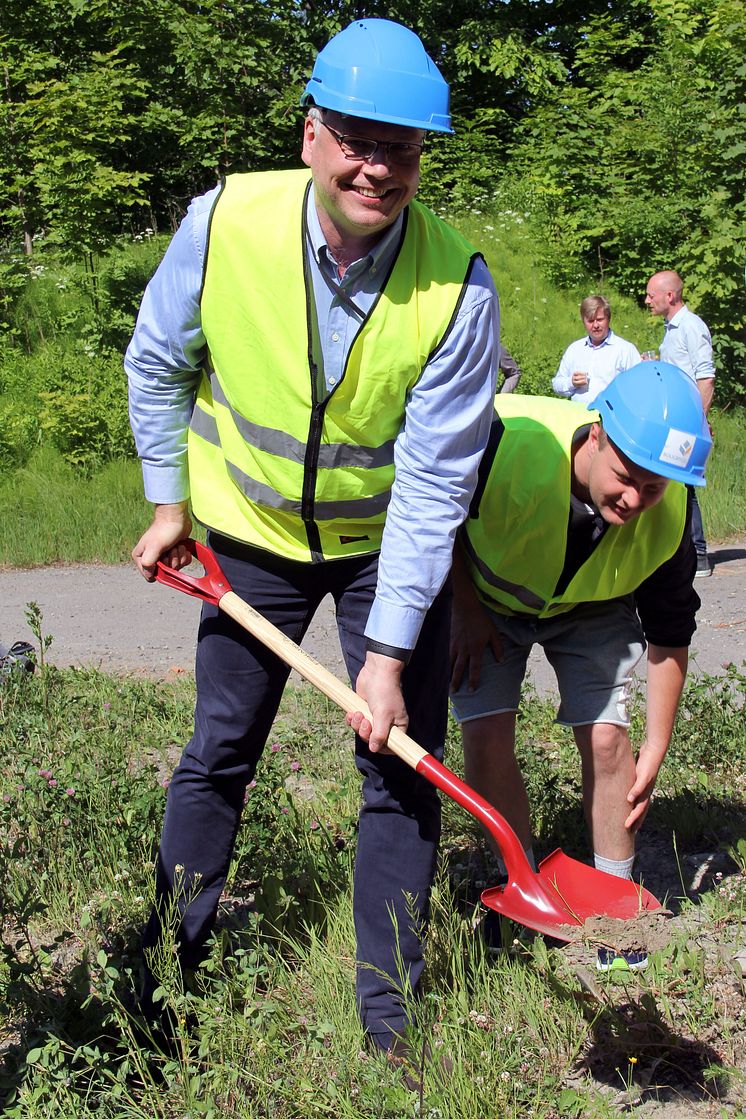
(649, 931)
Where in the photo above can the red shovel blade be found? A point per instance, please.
(557, 898)
(563, 893)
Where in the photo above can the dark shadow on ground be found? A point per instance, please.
(726, 555)
(631, 1048)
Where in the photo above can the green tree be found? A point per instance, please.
(633, 165)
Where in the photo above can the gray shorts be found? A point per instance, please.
(593, 650)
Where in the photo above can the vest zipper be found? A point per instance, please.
(311, 461)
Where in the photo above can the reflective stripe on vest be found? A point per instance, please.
(516, 539)
(270, 462)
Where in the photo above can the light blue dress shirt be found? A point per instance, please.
(437, 452)
(601, 363)
(687, 343)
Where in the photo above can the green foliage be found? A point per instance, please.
(538, 319)
(634, 168)
(19, 432)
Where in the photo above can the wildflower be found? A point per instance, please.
(275, 747)
(505, 1075)
(314, 825)
(66, 824)
(165, 782)
(70, 792)
(251, 784)
(6, 797)
(45, 773)
(52, 783)
(295, 766)
(107, 706)
(284, 811)
(632, 1060)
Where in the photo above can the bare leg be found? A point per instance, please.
(490, 767)
(608, 775)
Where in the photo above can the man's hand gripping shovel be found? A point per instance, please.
(556, 899)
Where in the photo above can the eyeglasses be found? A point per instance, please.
(362, 148)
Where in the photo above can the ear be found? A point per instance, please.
(309, 136)
(593, 438)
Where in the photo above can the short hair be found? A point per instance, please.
(592, 304)
(668, 280)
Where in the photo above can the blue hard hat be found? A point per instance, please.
(379, 70)
(653, 413)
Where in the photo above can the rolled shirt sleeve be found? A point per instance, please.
(687, 343)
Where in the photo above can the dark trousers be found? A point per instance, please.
(698, 532)
(239, 687)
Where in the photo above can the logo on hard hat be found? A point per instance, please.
(678, 448)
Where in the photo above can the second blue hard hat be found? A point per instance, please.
(653, 413)
(380, 70)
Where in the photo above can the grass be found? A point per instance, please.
(52, 513)
(269, 1027)
(538, 320)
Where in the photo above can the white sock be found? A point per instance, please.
(621, 868)
(529, 851)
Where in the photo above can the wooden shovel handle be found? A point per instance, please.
(250, 619)
(213, 587)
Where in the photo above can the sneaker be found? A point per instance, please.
(609, 960)
(492, 934)
(703, 567)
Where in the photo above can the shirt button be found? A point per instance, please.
(335, 337)
(332, 380)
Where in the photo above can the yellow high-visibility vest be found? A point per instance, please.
(515, 538)
(274, 459)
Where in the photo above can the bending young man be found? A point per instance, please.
(578, 540)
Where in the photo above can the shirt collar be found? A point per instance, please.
(674, 320)
(379, 256)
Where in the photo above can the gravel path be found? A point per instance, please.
(108, 617)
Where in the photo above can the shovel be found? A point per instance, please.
(556, 899)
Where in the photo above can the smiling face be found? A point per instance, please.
(597, 326)
(618, 488)
(357, 200)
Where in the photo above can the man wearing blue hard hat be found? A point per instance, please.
(313, 369)
(578, 539)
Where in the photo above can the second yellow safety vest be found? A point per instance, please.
(516, 538)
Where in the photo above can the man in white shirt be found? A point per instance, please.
(688, 344)
(590, 363)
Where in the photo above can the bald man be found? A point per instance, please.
(686, 343)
